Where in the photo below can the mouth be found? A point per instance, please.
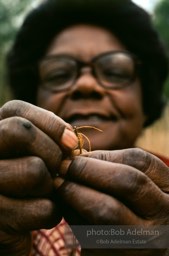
(90, 119)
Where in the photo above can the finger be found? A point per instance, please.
(144, 161)
(94, 206)
(20, 137)
(25, 215)
(25, 177)
(45, 120)
(122, 181)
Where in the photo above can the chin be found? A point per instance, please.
(99, 144)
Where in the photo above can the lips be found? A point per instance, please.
(88, 119)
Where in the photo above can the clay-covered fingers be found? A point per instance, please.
(25, 177)
(124, 182)
(28, 214)
(144, 161)
(94, 206)
(60, 131)
(20, 137)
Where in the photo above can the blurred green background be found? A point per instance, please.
(12, 13)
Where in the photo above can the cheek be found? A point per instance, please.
(50, 101)
(130, 126)
(129, 102)
(129, 105)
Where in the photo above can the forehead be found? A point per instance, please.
(84, 41)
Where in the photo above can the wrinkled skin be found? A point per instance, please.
(35, 146)
(110, 187)
(31, 151)
(97, 177)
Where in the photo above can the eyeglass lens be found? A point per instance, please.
(113, 70)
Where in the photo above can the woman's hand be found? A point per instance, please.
(124, 187)
(32, 141)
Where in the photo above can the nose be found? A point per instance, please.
(87, 86)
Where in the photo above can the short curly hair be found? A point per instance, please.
(131, 24)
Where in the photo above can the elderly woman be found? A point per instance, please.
(81, 65)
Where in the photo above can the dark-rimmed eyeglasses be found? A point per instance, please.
(112, 70)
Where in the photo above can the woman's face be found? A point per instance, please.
(87, 101)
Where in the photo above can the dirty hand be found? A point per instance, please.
(32, 141)
(123, 187)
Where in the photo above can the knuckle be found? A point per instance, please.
(137, 156)
(137, 184)
(37, 169)
(12, 107)
(109, 212)
(39, 177)
(23, 123)
(15, 123)
(46, 209)
(17, 130)
(139, 153)
(136, 152)
(48, 213)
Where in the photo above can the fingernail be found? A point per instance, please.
(69, 139)
(64, 167)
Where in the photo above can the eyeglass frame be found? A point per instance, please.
(82, 64)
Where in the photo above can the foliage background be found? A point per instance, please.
(11, 16)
